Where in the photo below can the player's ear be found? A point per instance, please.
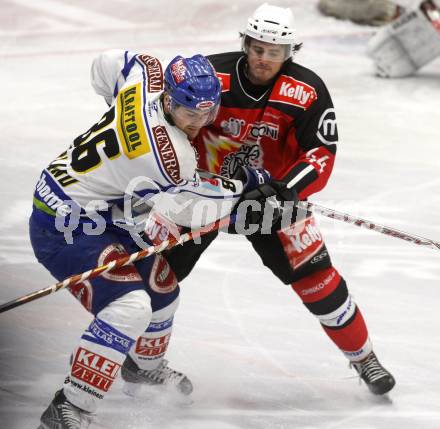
(166, 103)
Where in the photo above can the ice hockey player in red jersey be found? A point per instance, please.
(278, 114)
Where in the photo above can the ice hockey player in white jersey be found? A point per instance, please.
(139, 150)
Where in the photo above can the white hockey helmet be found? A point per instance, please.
(271, 24)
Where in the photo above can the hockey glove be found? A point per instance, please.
(262, 201)
(251, 177)
(272, 188)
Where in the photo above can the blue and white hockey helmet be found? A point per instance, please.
(193, 83)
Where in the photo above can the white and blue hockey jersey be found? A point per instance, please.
(131, 151)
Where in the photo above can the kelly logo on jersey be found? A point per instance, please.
(308, 236)
(301, 241)
(295, 92)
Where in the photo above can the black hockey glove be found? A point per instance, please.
(251, 177)
(262, 200)
(286, 202)
(272, 188)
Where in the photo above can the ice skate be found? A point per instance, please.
(376, 377)
(61, 414)
(162, 375)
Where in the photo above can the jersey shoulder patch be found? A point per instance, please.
(154, 72)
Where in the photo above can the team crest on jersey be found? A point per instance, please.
(247, 155)
(154, 72)
(288, 90)
(122, 274)
(167, 153)
(83, 292)
(162, 277)
(216, 149)
(130, 126)
(225, 81)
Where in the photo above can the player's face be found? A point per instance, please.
(264, 61)
(190, 121)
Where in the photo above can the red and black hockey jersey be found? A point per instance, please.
(289, 128)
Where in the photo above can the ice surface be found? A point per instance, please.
(257, 358)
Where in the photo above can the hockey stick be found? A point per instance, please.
(167, 244)
(362, 223)
(117, 263)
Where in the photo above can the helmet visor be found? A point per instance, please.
(194, 117)
(267, 51)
